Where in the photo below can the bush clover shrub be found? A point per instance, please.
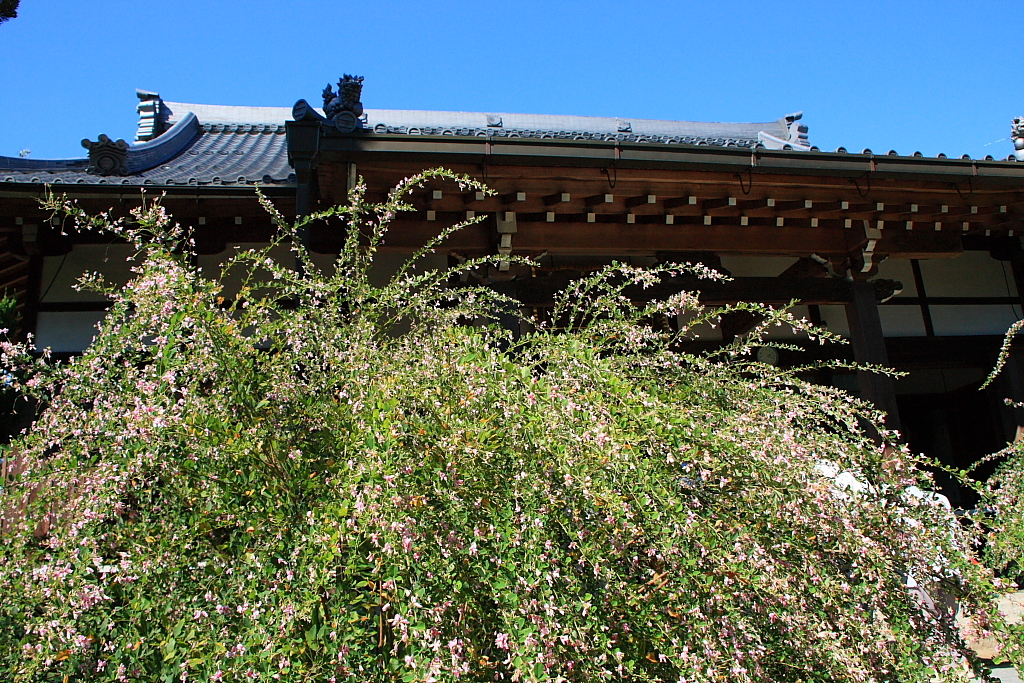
(320, 479)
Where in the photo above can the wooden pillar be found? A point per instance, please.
(869, 347)
(30, 239)
(922, 294)
(1011, 380)
(1010, 384)
(33, 289)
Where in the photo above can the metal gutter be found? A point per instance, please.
(84, 191)
(541, 152)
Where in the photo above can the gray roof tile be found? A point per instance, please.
(232, 145)
(398, 121)
(390, 121)
(189, 154)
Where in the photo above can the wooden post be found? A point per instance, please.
(1012, 377)
(1010, 384)
(869, 347)
(33, 290)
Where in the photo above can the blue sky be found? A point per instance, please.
(929, 76)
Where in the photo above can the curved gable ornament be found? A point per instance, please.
(107, 157)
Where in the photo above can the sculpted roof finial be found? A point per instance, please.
(151, 115)
(1017, 136)
(344, 108)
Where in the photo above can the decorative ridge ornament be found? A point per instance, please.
(796, 134)
(1017, 136)
(151, 115)
(107, 157)
(344, 108)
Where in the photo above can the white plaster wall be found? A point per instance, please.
(972, 273)
(66, 332)
(962, 321)
(211, 265)
(386, 265)
(901, 321)
(834, 318)
(61, 273)
(785, 332)
(899, 269)
(897, 321)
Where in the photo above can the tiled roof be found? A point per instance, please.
(235, 145)
(227, 114)
(193, 152)
(241, 146)
(390, 121)
(397, 121)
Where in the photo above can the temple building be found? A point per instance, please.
(917, 260)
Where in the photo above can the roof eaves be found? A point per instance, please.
(20, 165)
(675, 155)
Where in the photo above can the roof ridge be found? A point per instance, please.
(196, 107)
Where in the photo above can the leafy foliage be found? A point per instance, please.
(8, 9)
(323, 479)
(1002, 506)
(14, 410)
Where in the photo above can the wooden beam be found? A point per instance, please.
(666, 182)
(712, 204)
(755, 204)
(800, 206)
(599, 199)
(620, 238)
(805, 267)
(931, 209)
(541, 291)
(821, 207)
(920, 244)
(557, 198)
(869, 348)
(674, 202)
(863, 210)
(641, 238)
(632, 202)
